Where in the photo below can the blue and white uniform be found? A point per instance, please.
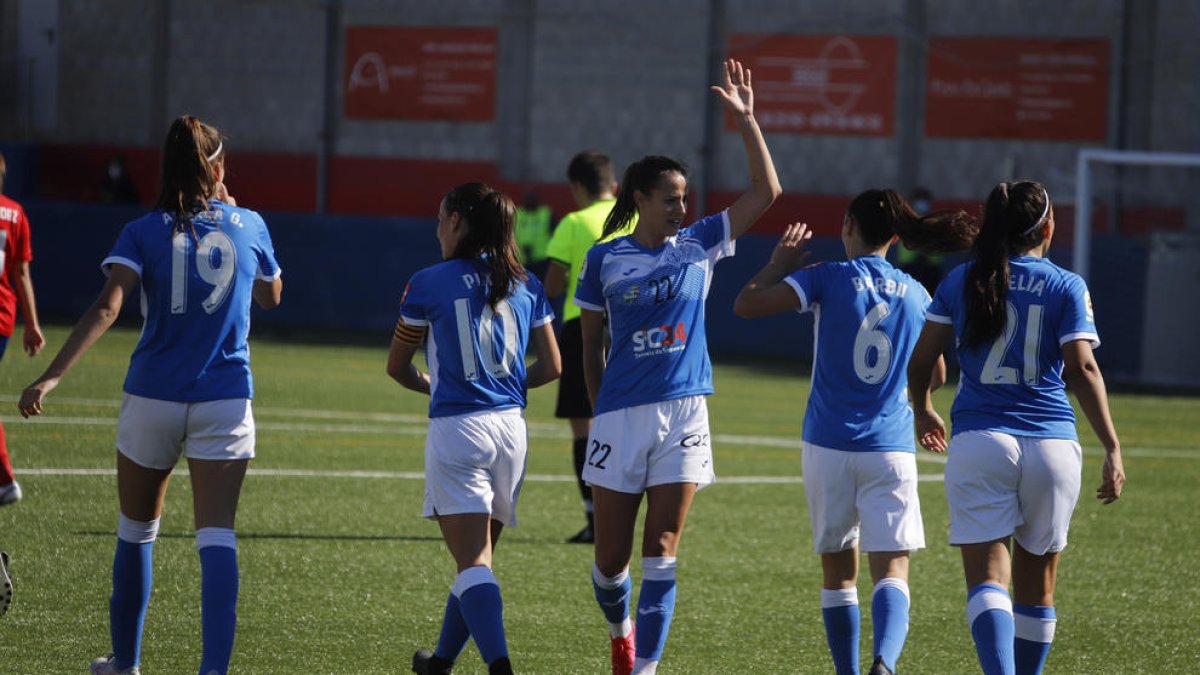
(651, 424)
(475, 450)
(859, 456)
(1014, 457)
(189, 376)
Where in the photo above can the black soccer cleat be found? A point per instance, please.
(585, 536)
(425, 663)
(6, 587)
(880, 668)
(500, 666)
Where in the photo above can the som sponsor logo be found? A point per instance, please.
(659, 340)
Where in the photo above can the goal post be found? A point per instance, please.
(1083, 189)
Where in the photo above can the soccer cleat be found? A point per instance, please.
(10, 494)
(107, 665)
(880, 668)
(623, 653)
(500, 666)
(584, 536)
(425, 663)
(5, 584)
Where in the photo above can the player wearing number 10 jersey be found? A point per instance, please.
(199, 260)
(475, 313)
(860, 471)
(1023, 328)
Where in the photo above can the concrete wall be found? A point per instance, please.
(624, 75)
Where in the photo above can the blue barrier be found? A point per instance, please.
(347, 273)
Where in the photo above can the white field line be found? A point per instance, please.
(415, 425)
(416, 475)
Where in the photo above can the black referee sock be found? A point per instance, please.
(579, 445)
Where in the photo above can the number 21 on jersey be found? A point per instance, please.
(216, 261)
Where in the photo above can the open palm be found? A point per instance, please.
(736, 92)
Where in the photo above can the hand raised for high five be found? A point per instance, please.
(736, 92)
(789, 253)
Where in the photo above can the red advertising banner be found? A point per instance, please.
(420, 73)
(1017, 88)
(820, 84)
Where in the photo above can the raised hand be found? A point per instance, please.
(789, 253)
(736, 92)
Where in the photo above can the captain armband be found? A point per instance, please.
(411, 335)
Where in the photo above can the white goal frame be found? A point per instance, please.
(1083, 187)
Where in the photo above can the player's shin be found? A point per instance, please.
(132, 580)
(839, 609)
(217, 547)
(990, 616)
(1034, 630)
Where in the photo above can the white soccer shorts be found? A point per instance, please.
(999, 485)
(867, 494)
(634, 448)
(153, 433)
(475, 463)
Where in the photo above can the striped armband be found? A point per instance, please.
(411, 335)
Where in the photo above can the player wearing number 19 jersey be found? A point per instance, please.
(860, 471)
(199, 260)
(1023, 328)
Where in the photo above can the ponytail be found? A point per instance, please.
(190, 153)
(641, 176)
(1011, 220)
(489, 216)
(882, 214)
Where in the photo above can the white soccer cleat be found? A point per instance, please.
(10, 494)
(5, 584)
(107, 665)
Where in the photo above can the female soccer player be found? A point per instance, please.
(199, 259)
(859, 459)
(650, 434)
(1023, 326)
(475, 313)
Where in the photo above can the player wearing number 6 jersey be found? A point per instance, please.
(475, 313)
(860, 470)
(1023, 328)
(650, 435)
(199, 260)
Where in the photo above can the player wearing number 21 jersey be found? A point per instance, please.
(1023, 329)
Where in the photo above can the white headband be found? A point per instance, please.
(217, 152)
(1045, 212)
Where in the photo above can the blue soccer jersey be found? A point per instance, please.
(196, 293)
(1014, 385)
(475, 354)
(655, 303)
(868, 315)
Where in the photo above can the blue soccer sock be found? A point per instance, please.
(1034, 631)
(132, 577)
(656, 606)
(840, 609)
(455, 632)
(218, 596)
(889, 615)
(483, 610)
(989, 614)
(612, 594)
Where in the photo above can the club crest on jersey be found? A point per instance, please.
(631, 294)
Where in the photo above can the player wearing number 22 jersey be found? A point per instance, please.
(194, 342)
